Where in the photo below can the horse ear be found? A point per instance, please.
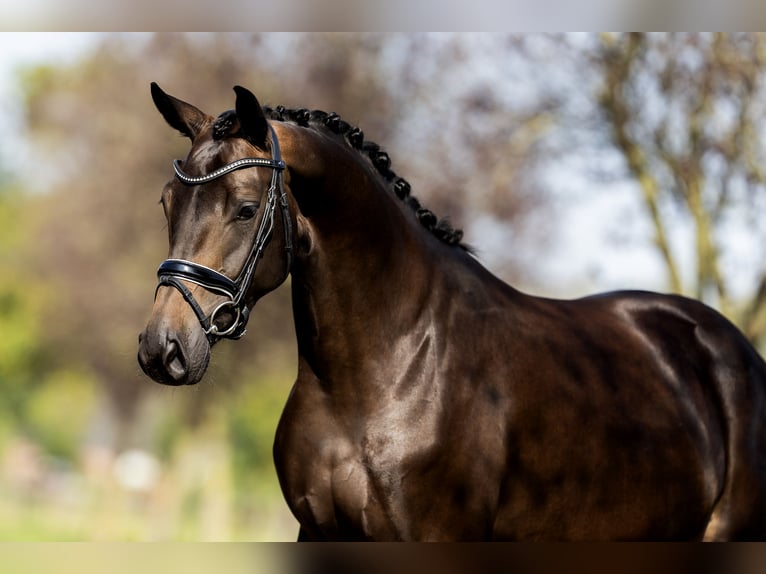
(182, 116)
(252, 122)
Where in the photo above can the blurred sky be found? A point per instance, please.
(593, 246)
(18, 50)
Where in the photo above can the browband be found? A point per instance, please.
(235, 165)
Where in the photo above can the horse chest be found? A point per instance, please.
(336, 495)
(349, 484)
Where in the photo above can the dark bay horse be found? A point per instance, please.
(432, 400)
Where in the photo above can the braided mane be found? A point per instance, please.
(332, 122)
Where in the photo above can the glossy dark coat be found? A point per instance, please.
(435, 402)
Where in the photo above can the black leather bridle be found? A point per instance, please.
(173, 272)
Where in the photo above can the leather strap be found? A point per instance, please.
(198, 274)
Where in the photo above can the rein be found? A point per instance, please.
(172, 272)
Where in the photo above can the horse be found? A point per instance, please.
(432, 400)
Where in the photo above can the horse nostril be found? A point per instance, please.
(174, 360)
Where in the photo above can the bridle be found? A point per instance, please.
(173, 272)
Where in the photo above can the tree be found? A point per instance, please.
(686, 112)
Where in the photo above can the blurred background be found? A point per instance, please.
(575, 163)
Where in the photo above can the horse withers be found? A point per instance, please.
(432, 400)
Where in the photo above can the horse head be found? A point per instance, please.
(230, 235)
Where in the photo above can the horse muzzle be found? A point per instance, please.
(173, 357)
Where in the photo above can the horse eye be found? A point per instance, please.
(247, 211)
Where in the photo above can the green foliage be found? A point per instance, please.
(252, 423)
(167, 436)
(60, 410)
(36, 80)
(22, 300)
(51, 406)
(20, 325)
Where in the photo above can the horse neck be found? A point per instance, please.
(368, 271)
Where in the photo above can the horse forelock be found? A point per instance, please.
(332, 123)
(226, 125)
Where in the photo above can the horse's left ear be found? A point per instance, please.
(251, 119)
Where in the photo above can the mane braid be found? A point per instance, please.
(354, 137)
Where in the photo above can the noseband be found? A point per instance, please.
(173, 271)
